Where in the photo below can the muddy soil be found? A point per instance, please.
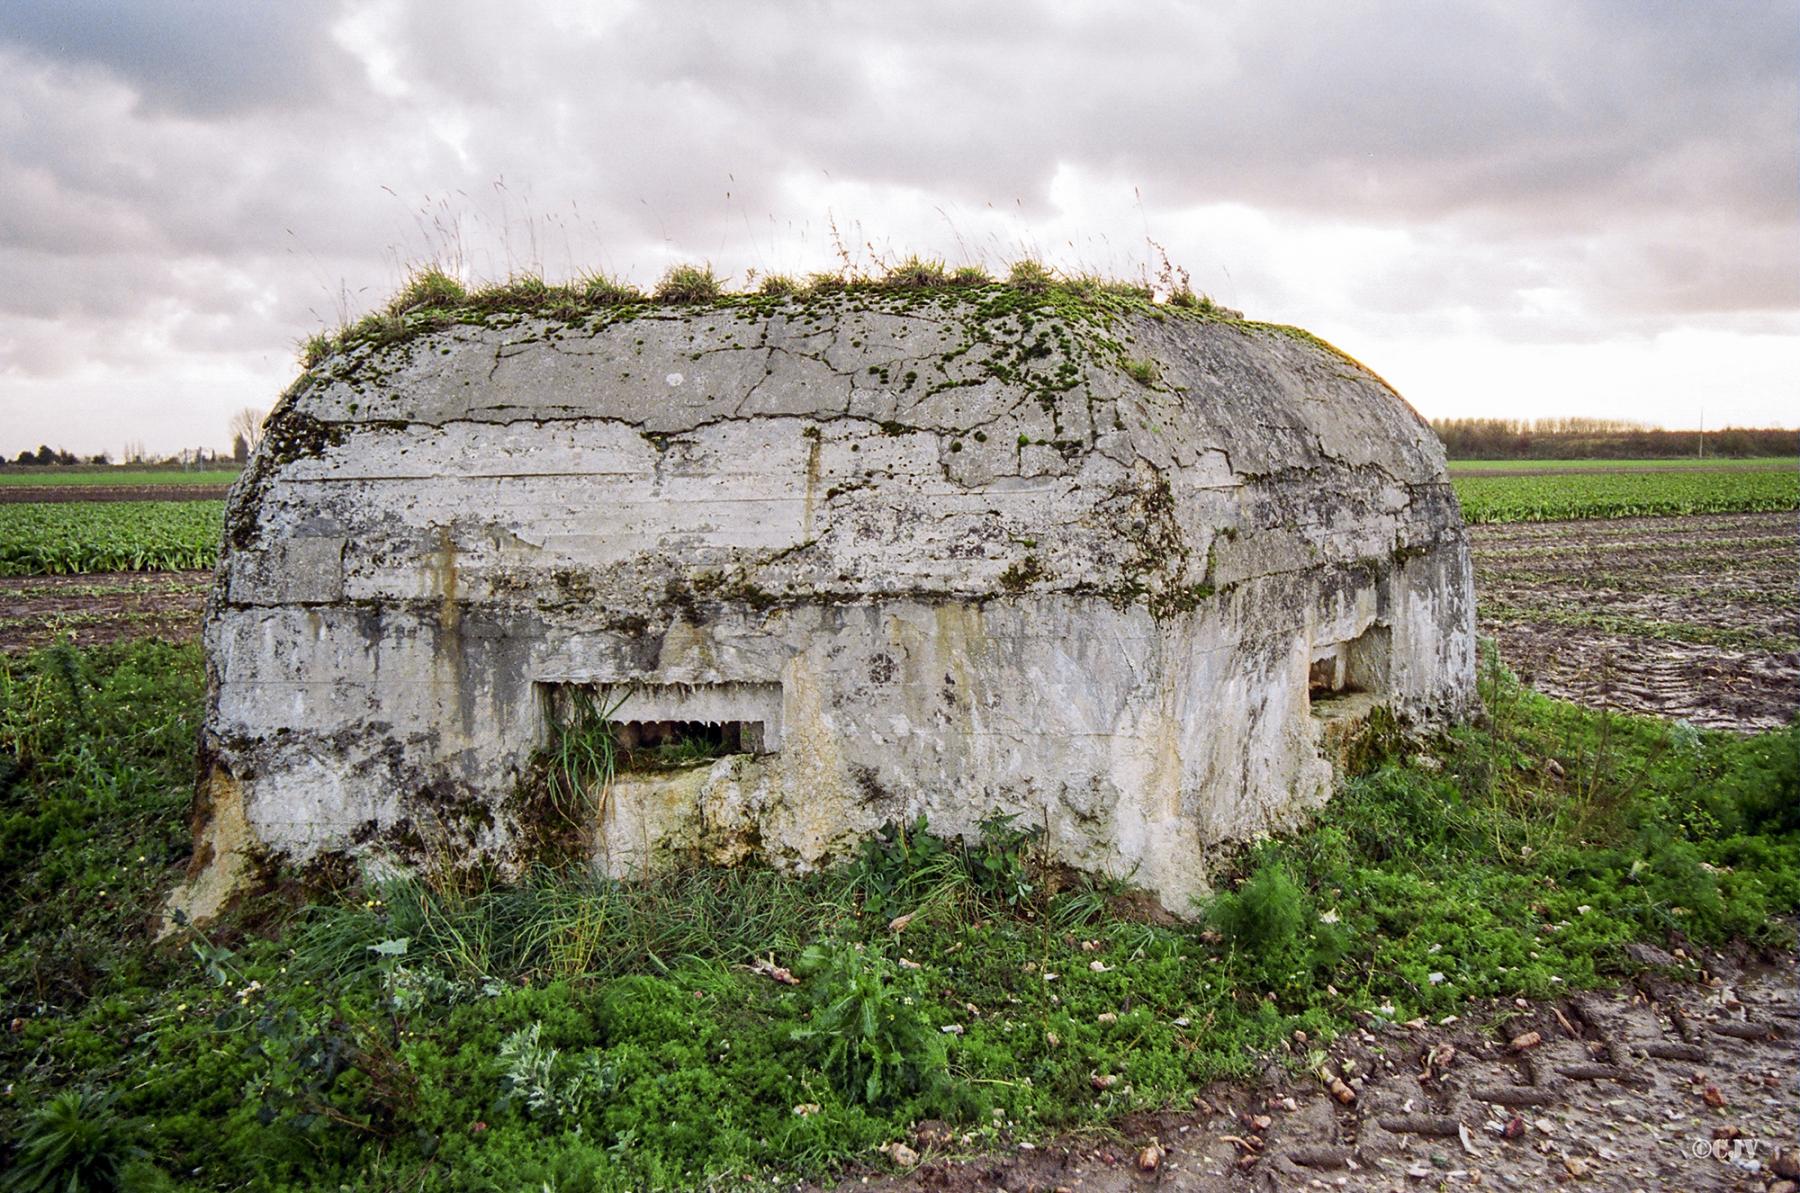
(100, 607)
(1694, 617)
(18, 493)
(1685, 1079)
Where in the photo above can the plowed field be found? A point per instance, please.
(1693, 617)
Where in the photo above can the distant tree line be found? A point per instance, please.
(186, 458)
(1601, 439)
(246, 428)
(45, 454)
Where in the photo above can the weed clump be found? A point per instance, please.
(1142, 371)
(688, 284)
(824, 283)
(906, 867)
(914, 273)
(76, 1141)
(1273, 932)
(556, 1088)
(524, 293)
(603, 291)
(314, 348)
(429, 288)
(582, 757)
(1766, 794)
(867, 1032)
(1033, 277)
(969, 276)
(778, 285)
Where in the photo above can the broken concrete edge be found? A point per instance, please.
(231, 865)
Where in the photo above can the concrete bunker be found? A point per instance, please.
(823, 563)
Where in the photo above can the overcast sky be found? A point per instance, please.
(1507, 209)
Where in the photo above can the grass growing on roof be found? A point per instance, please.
(688, 284)
(711, 1024)
(432, 301)
(915, 273)
(427, 288)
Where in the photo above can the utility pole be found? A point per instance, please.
(1702, 446)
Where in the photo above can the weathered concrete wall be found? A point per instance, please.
(948, 553)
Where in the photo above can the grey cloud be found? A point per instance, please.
(196, 57)
(1638, 156)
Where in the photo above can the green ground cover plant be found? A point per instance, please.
(571, 1033)
(66, 537)
(114, 476)
(1664, 464)
(1625, 494)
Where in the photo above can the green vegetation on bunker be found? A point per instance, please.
(448, 1032)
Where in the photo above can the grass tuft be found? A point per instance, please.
(1031, 276)
(1143, 371)
(688, 284)
(314, 349)
(914, 273)
(427, 289)
(602, 291)
(526, 292)
(824, 282)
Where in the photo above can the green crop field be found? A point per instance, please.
(113, 476)
(1625, 493)
(1679, 464)
(59, 538)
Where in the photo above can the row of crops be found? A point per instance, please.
(60, 538)
(25, 477)
(1625, 494)
(1685, 464)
